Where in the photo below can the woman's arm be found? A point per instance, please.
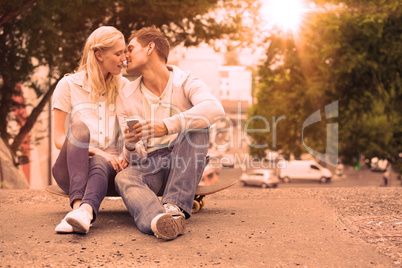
(59, 119)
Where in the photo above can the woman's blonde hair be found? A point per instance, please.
(102, 39)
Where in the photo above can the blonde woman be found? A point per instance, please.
(86, 128)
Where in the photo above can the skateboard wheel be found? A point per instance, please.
(196, 206)
(202, 203)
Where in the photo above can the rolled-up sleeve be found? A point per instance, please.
(206, 108)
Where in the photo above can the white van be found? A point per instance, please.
(304, 170)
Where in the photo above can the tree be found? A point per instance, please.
(283, 96)
(52, 33)
(349, 53)
(363, 64)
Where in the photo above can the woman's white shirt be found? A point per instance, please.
(73, 97)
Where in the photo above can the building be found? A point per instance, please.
(230, 84)
(201, 61)
(235, 83)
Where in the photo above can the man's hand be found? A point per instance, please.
(144, 130)
(158, 129)
(129, 138)
(150, 129)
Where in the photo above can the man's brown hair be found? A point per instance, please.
(147, 35)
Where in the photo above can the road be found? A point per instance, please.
(238, 227)
(351, 178)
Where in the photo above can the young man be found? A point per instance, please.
(167, 146)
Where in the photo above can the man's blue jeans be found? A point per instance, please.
(172, 173)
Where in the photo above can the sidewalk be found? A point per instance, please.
(238, 227)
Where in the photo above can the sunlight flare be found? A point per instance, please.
(285, 14)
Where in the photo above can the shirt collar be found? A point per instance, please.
(80, 80)
(130, 87)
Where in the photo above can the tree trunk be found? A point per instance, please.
(6, 96)
(30, 121)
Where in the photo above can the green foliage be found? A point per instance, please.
(363, 60)
(284, 93)
(52, 33)
(350, 53)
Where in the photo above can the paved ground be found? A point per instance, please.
(238, 227)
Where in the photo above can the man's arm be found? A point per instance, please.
(206, 108)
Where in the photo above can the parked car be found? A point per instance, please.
(304, 170)
(260, 177)
(227, 161)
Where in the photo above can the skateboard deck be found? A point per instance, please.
(203, 190)
(216, 187)
(200, 193)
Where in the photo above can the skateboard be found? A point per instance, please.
(200, 193)
(203, 190)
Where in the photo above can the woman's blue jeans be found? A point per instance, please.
(172, 173)
(83, 177)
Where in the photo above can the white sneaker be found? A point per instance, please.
(80, 220)
(173, 210)
(64, 227)
(168, 227)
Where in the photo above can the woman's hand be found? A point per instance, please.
(112, 159)
(123, 162)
